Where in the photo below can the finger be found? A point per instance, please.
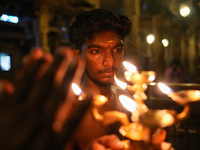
(45, 87)
(97, 146)
(45, 98)
(6, 89)
(66, 106)
(44, 67)
(79, 72)
(31, 59)
(111, 141)
(51, 106)
(64, 66)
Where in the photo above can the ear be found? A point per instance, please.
(76, 52)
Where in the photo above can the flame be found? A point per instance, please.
(128, 103)
(130, 67)
(164, 88)
(123, 85)
(76, 89)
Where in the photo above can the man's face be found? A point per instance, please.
(103, 55)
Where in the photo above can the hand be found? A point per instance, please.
(107, 142)
(29, 106)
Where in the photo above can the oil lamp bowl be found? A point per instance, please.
(185, 97)
(157, 118)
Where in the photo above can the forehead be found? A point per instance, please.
(108, 37)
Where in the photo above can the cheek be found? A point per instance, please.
(118, 60)
(92, 65)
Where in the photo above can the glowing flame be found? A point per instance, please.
(164, 88)
(76, 89)
(123, 85)
(130, 67)
(128, 103)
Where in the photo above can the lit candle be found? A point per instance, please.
(77, 91)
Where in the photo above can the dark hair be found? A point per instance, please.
(96, 21)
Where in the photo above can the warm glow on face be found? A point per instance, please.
(128, 103)
(164, 88)
(76, 89)
(123, 85)
(130, 67)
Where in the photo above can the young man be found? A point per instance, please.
(98, 36)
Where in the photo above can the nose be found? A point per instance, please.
(108, 60)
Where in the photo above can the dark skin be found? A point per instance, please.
(30, 105)
(103, 56)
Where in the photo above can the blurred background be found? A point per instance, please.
(164, 31)
(165, 38)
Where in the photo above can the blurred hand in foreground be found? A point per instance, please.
(28, 107)
(107, 142)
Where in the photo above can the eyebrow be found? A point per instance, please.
(98, 46)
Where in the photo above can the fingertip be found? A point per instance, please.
(36, 53)
(6, 88)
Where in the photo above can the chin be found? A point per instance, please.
(106, 83)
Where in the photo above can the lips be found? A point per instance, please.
(108, 73)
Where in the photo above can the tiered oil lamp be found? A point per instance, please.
(147, 124)
(145, 132)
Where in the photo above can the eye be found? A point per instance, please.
(118, 49)
(95, 51)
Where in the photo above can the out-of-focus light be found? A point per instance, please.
(9, 18)
(130, 67)
(150, 38)
(63, 29)
(165, 42)
(77, 90)
(184, 10)
(128, 103)
(121, 84)
(5, 62)
(164, 88)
